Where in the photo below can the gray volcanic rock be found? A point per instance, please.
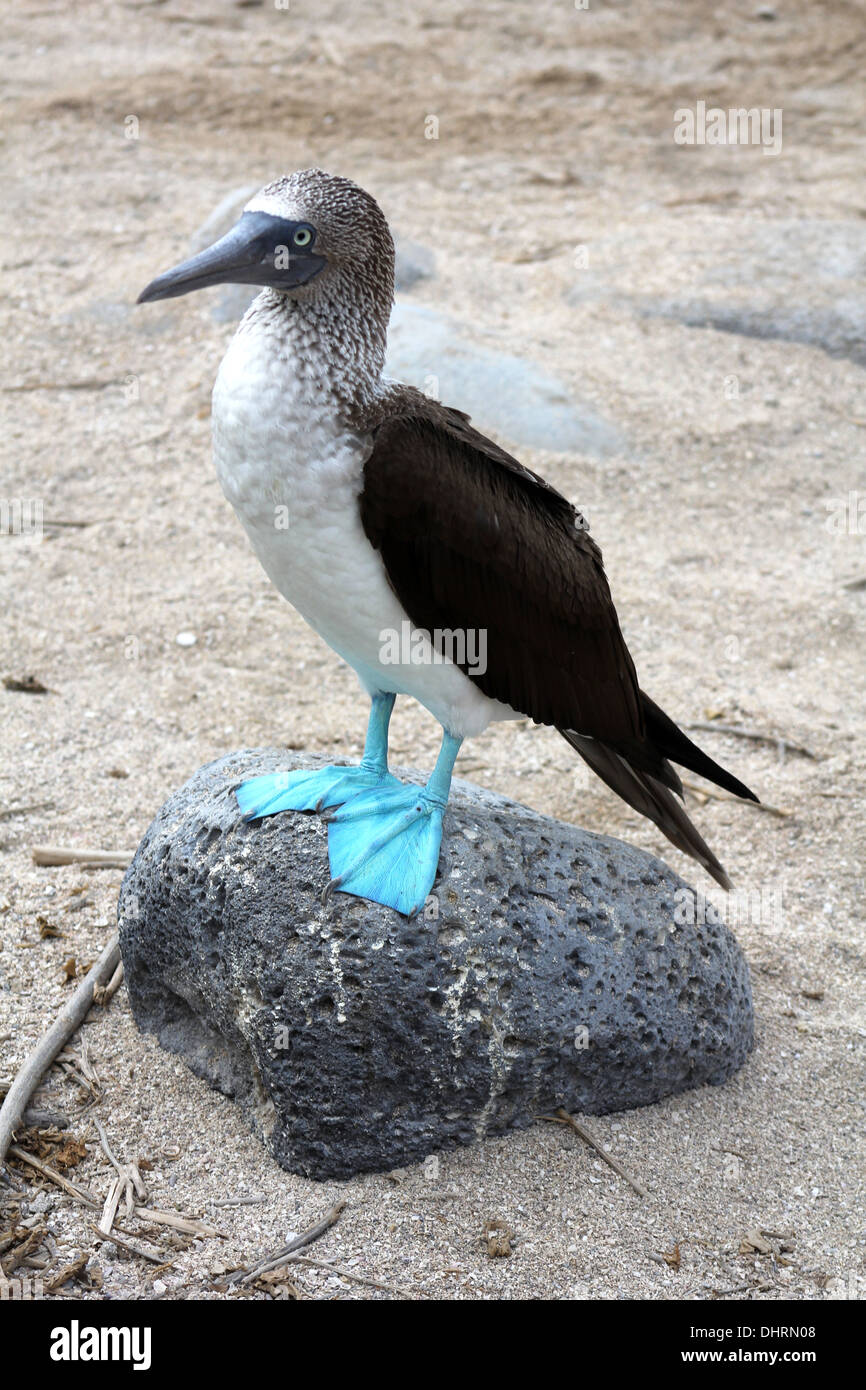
(838, 331)
(549, 967)
(412, 262)
(795, 279)
(517, 398)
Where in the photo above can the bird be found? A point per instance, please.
(429, 559)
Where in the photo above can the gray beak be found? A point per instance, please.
(259, 250)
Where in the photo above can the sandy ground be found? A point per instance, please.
(554, 131)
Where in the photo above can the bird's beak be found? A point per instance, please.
(258, 250)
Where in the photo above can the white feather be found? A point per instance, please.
(293, 474)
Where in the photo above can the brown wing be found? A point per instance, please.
(473, 540)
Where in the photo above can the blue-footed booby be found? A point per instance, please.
(428, 558)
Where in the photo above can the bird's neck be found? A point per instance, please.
(333, 342)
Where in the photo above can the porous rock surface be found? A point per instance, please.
(550, 967)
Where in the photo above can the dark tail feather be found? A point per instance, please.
(652, 799)
(671, 742)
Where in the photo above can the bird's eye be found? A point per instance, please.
(303, 236)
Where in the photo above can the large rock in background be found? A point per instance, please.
(551, 967)
(796, 279)
(522, 401)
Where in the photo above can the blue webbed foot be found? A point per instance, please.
(308, 790)
(384, 845)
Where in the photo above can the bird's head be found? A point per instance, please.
(311, 236)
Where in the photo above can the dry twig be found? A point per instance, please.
(281, 1257)
(562, 1117)
(45, 1051)
(9, 811)
(704, 793)
(348, 1274)
(53, 855)
(156, 1257)
(188, 1224)
(784, 745)
(81, 1194)
(101, 995)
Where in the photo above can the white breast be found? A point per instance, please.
(293, 474)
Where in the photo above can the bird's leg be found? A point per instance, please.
(384, 844)
(312, 790)
(375, 759)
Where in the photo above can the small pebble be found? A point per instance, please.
(186, 639)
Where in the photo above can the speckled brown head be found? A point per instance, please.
(313, 237)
